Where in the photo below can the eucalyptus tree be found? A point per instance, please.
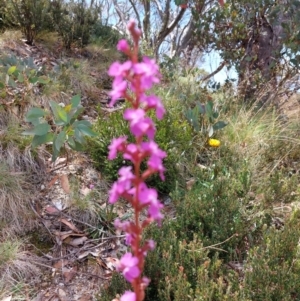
(259, 38)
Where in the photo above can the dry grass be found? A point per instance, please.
(17, 266)
(19, 170)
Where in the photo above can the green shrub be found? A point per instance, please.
(273, 267)
(173, 135)
(74, 20)
(104, 34)
(30, 15)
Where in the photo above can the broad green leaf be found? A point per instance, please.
(86, 130)
(38, 140)
(75, 145)
(201, 107)
(11, 70)
(75, 114)
(34, 114)
(82, 122)
(78, 136)
(215, 115)
(71, 142)
(2, 85)
(75, 101)
(12, 83)
(60, 140)
(33, 80)
(219, 125)
(59, 113)
(20, 78)
(43, 79)
(39, 130)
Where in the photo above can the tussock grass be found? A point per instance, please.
(17, 266)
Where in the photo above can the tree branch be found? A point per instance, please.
(166, 31)
(215, 72)
(136, 13)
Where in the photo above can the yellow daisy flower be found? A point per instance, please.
(214, 142)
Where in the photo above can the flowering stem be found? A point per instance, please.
(131, 184)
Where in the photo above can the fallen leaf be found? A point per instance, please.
(61, 263)
(51, 183)
(7, 298)
(70, 225)
(52, 210)
(77, 241)
(190, 183)
(69, 274)
(64, 181)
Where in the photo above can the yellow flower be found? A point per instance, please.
(214, 142)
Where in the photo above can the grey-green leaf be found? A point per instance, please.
(39, 130)
(38, 140)
(219, 125)
(75, 101)
(34, 114)
(60, 140)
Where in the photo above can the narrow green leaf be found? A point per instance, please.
(38, 140)
(60, 140)
(11, 70)
(34, 113)
(75, 101)
(38, 130)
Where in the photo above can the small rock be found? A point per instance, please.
(43, 187)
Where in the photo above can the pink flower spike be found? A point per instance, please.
(123, 46)
(128, 296)
(117, 144)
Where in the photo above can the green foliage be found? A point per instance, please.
(15, 72)
(30, 15)
(104, 34)
(203, 118)
(74, 20)
(273, 267)
(67, 128)
(173, 136)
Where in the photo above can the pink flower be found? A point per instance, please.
(119, 87)
(122, 185)
(129, 267)
(149, 72)
(139, 124)
(119, 70)
(128, 296)
(117, 144)
(123, 46)
(153, 101)
(154, 210)
(155, 161)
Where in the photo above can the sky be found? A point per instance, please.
(212, 62)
